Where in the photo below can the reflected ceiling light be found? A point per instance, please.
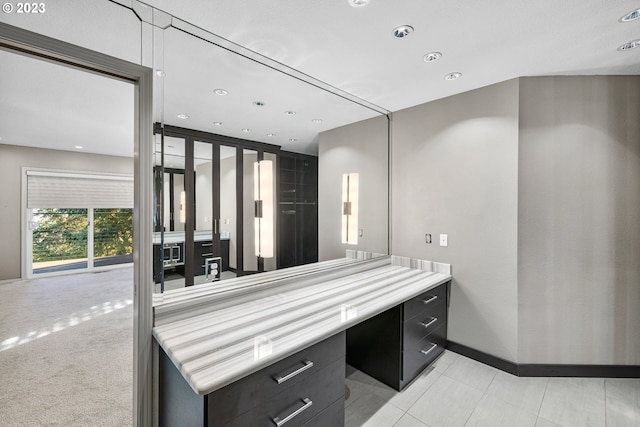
(358, 3)
(183, 116)
(630, 45)
(293, 139)
(350, 184)
(432, 56)
(452, 76)
(79, 147)
(160, 73)
(220, 92)
(246, 130)
(316, 120)
(402, 31)
(258, 103)
(171, 146)
(263, 196)
(217, 123)
(631, 16)
(270, 135)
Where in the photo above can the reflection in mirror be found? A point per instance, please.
(232, 112)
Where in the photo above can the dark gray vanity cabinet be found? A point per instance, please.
(305, 389)
(396, 345)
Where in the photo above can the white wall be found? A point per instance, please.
(455, 172)
(361, 147)
(12, 159)
(579, 220)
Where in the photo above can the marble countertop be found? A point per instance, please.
(217, 334)
(178, 236)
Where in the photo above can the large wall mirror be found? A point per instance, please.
(250, 159)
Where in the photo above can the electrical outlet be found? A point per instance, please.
(444, 240)
(361, 232)
(427, 238)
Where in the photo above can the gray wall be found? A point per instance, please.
(579, 220)
(12, 159)
(454, 171)
(361, 147)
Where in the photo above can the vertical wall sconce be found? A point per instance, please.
(350, 208)
(183, 204)
(263, 192)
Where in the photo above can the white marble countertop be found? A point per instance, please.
(217, 334)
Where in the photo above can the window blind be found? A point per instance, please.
(77, 190)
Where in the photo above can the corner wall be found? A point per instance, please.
(455, 172)
(12, 159)
(579, 220)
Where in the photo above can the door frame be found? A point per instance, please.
(28, 43)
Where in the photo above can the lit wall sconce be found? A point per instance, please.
(263, 192)
(183, 204)
(350, 208)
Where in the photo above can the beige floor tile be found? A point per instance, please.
(524, 392)
(472, 373)
(411, 393)
(495, 412)
(444, 361)
(545, 423)
(447, 403)
(622, 402)
(578, 402)
(371, 411)
(408, 421)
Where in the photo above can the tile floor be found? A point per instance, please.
(458, 391)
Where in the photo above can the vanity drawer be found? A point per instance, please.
(302, 401)
(331, 416)
(425, 301)
(287, 372)
(425, 351)
(421, 325)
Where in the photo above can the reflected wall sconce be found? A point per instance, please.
(263, 222)
(183, 203)
(350, 183)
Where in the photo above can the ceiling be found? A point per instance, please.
(348, 48)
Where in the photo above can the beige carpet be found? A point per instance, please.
(66, 346)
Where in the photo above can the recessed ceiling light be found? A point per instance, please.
(183, 116)
(631, 16)
(452, 76)
(316, 120)
(271, 135)
(431, 56)
(630, 45)
(293, 139)
(402, 31)
(246, 130)
(358, 3)
(220, 92)
(290, 113)
(79, 147)
(258, 103)
(171, 146)
(160, 73)
(217, 123)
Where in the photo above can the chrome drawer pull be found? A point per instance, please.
(307, 405)
(280, 379)
(426, 325)
(204, 245)
(427, 301)
(425, 352)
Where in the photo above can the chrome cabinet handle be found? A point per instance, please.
(204, 245)
(427, 301)
(307, 404)
(426, 325)
(425, 352)
(280, 379)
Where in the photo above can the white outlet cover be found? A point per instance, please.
(444, 240)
